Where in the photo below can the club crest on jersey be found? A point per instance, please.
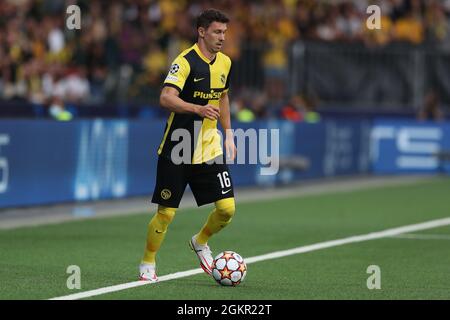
(222, 78)
(166, 194)
(174, 68)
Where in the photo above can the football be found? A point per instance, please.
(229, 268)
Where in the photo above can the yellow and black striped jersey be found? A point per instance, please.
(199, 81)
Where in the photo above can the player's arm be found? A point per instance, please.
(225, 122)
(170, 100)
(174, 84)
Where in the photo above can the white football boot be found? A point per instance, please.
(203, 255)
(147, 272)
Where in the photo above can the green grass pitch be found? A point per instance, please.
(33, 260)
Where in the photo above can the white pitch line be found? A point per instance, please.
(128, 285)
(274, 255)
(414, 236)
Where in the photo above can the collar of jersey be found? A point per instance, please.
(200, 54)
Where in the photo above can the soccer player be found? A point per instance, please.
(196, 92)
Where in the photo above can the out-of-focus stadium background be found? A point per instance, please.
(288, 55)
(80, 123)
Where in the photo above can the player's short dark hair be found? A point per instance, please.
(209, 16)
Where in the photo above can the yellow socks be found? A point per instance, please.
(219, 218)
(156, 232)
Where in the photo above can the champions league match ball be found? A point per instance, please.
(229, 268)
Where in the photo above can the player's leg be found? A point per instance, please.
(169, 189)
(218, 219)
(156, 233)
(212, 183)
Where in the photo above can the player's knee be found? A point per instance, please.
(226, 208)
(165, 214)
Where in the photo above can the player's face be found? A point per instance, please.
(214, 36)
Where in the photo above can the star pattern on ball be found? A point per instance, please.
(227, 256)
(242, 267)
(226, 274)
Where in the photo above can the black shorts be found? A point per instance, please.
(208, 182)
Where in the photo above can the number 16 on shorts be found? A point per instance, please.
(225, 181)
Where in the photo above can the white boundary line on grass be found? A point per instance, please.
(414, 236)
(274, 255)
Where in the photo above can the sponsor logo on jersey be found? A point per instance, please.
(171, 78)
(213, 95)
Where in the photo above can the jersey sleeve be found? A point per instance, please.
(178, 73)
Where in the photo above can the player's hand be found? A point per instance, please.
(230, 148)
(209, 111)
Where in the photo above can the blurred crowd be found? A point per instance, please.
(124, 47)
